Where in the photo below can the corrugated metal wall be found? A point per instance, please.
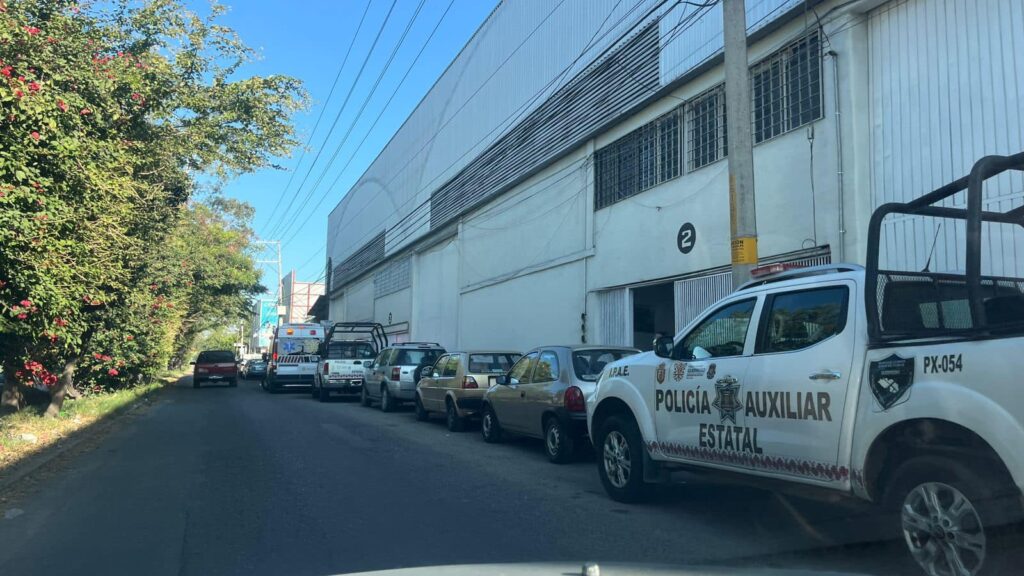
(521, 57)
(947, 87)
(615, 327)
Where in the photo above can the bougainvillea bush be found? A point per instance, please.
(111, 115)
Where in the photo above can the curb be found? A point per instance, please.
(24, 469)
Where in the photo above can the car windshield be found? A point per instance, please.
(293, 346)
(588, 364)
(491, 363)
(216, 356)
(350, 351)
(414, 357)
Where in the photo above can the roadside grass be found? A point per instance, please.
(27, 432)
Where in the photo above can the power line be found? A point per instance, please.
(340, 110)
(320, 116)
(352, 124)
(514, 116)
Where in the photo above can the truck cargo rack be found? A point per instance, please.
(903, 305)
(374, 331)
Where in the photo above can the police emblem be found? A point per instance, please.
(678, 371)
(890, 378)
(659, 373)
(711, 370)
(727, 399)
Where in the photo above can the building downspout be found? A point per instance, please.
(839, 155)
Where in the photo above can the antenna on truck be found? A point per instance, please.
(932, 251)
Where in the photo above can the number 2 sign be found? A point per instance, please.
(686, 238)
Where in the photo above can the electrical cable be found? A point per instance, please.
(320, 116)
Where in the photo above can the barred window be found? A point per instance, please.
(638, 161)
(706, 139)
(786, 88)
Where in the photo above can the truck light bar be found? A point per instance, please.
(773, 269)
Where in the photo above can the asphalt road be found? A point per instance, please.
(238, 481)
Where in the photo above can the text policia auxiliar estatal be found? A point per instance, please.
(784, 405)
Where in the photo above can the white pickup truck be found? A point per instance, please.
(899, 387)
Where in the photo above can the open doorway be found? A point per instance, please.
(654, 314)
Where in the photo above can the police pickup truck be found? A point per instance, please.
(901, 387)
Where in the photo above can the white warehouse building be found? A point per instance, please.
(565, 180)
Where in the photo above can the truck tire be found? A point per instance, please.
(490, 428)
(324, 395)
(938, 506)
(421, 413)
(387, 404)
(620, 459)
(314, 390)
(364, 398)
(558, 443)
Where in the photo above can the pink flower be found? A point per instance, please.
(32, 30)
(85, 112)
(26, 303)
(112, 372)
(35, 136)
(6, 71)
(22, 316)
(33, 86)
(18, 93)
(97, 355)
(62, 105)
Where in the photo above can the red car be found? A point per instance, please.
(215, 366)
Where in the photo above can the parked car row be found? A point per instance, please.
(540, 394)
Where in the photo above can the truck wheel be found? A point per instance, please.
(558, 444)
(421, 413)
(364, 399)
(490, 429)
(323, 395)
(386, 403)
(620, 459)
(314, 390)
(943, 519)
(455, 422)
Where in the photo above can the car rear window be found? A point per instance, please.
(588, 364)
(350, 351)
(417, 357)
(216, 356)
(491, 363)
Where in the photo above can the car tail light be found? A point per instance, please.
(574, 399)
(326, 369)
(275, 357)
(396, 373)
(469, 383)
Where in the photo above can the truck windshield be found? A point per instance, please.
(350, 351)
(288, 346)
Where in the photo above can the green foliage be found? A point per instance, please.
(109, 114)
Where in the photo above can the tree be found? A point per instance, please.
(110, 114)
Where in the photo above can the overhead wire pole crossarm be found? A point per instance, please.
(742, 213)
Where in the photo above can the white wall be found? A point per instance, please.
(532, 310)
(336, 310)
(393, 308)
(542, 220)
(359, 301)
(435, 308)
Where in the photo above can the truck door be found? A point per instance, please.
(800, 372)
(698, 392)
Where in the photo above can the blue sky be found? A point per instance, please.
(308, 39)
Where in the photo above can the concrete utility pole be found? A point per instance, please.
(742, 216)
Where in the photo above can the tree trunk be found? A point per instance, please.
(64, 383)
(12, 398)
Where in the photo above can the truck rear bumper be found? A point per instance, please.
(346, 386)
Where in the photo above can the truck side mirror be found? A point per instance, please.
(663, 346)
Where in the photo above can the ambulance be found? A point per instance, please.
(294, 356)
